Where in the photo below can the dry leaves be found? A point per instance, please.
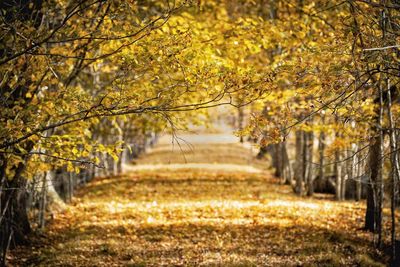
(201, 218)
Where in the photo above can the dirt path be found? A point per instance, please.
(189, 216)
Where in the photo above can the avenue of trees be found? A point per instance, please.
(86, 85)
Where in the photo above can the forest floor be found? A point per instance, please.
(172, 214)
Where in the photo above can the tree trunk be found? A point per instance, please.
(71, 177)
(240, 122)
(42, 203)
(14, 224)
(338, 176)
(358, 163)
(321, 149)
(121, 161)
(287, 170)
(310, 174)
(345, 175)
(394, 173)
(372, 215)
(277, 159)
(53, 197)
(299, 165)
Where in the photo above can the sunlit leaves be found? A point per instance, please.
(197, 217)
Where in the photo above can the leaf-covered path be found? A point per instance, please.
(200, 217)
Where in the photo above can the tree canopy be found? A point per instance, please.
(82, 81)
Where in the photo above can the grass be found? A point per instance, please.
(192, 217)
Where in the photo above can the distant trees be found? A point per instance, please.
(335, 92)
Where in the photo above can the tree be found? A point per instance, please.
(77, 66)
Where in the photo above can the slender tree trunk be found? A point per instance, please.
(310, 169)
(321, 149)
(241, 122)
(286, 163)
(351, 175)
(282, 162)
(299, 165)
(121, 161)
(352, 168)
(345, 177)
(394, 173)
(338, 175)
(71, 177)
(42, 204)
(372, 215)
(338, 172)
(277, 154)
(358, 163)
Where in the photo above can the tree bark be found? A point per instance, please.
(372, 215)
(394, 174)
(14, 224)
(277, 159)
(358, 163)
(321, 149)
(241, 122)
(299, 165)
(287, 170)
(309, 160)
(338, 176)
(42, 203)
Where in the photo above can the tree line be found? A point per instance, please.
(330, 125)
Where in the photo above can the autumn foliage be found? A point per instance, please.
(87, 86)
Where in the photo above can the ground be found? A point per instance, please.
(214, 211)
